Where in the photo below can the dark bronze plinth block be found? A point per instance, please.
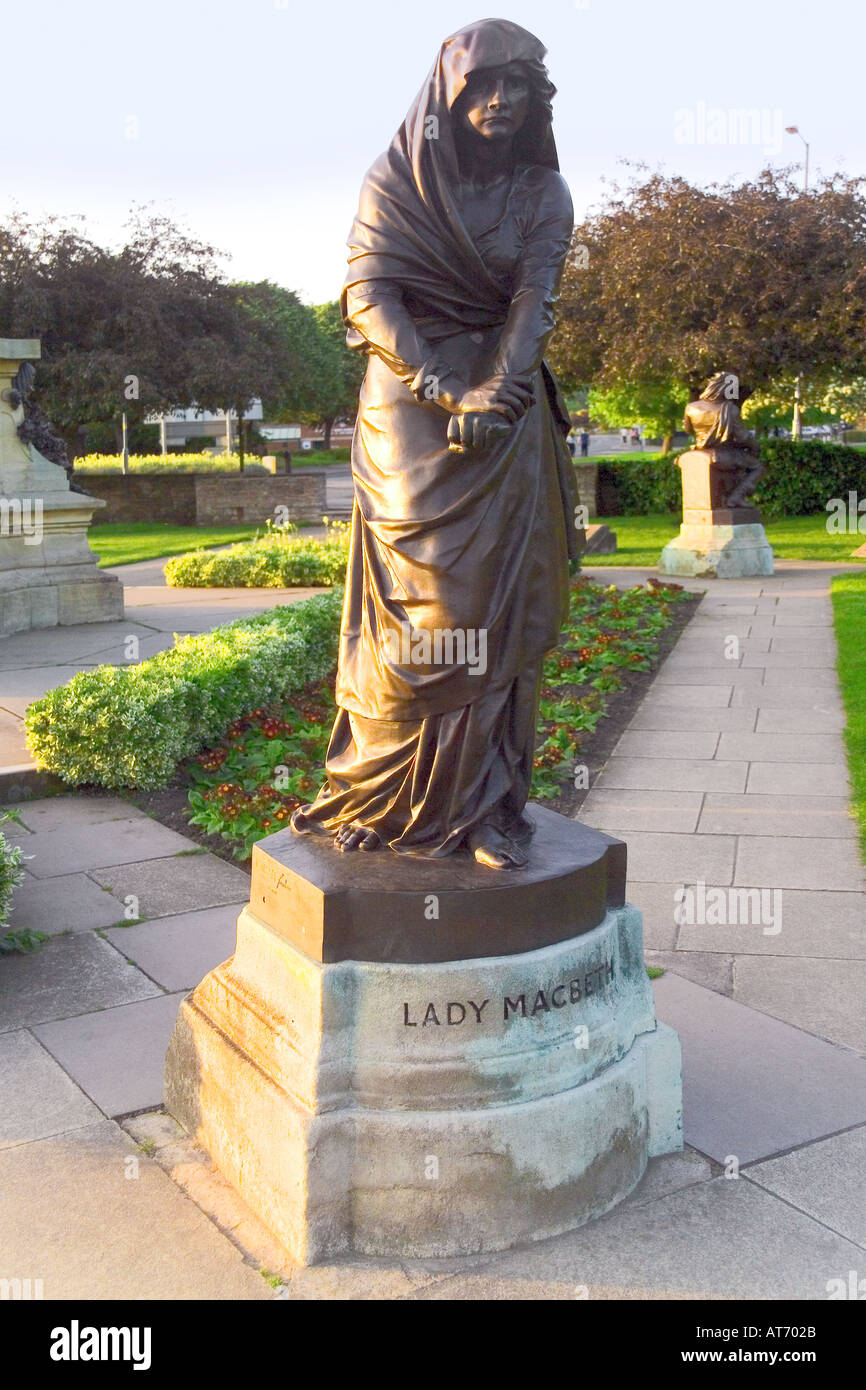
(375, 907)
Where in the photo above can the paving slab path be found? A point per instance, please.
(731, 775)
(731, 787)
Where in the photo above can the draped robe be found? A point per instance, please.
(471, 542)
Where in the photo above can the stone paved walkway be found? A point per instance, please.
(731, 773)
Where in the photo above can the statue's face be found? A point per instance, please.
(495, 101)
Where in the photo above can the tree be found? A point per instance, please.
(341, 371)
(669, 283)
(143, 330)
(660, 408)
(279, 353)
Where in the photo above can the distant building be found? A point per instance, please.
(203, 429)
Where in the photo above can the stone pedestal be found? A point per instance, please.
(718, 552)
(715, 541)
(427, 1058)
(586, 473)
(48, 573)
(600, 540)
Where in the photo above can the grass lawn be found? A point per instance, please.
(849, 614)
(641, 539)
(122, 543)
(806, 538)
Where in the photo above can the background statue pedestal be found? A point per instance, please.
(441, 1101)
(48, 573)
(716, 540)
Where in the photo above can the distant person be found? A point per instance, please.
(584, 444)
(570, 441)
(623, 434)
(636, 440)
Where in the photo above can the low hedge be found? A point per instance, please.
(276, 560)
(637, 487)
(130, 726)
(190, 462)
(168, 463)
(10, 875)
(801, 478)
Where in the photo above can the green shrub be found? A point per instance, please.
(129, 726)
(642, 485)
(102, 437)
(800, 479)
(10, 874)
(276, 560)
(172, 463)
(188, 461)
(304, 456)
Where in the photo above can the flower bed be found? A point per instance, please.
(276, 560)
(247, 785)
(266, 766)
(608, 632)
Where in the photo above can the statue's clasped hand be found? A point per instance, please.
(486, 413)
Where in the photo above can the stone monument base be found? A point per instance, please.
(600, 540)
(429, 1106)
(56, 582)
(48, 573)
(727, 551)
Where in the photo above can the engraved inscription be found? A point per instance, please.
(531, 1003)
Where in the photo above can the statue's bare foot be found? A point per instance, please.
(495, 850)
(356, 836)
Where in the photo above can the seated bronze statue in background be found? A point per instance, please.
(464, 509)
(715, 421)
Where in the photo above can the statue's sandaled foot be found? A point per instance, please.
(356, 836)
(495, 850)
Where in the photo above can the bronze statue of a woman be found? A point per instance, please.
(464, 510)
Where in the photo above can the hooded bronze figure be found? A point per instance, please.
(464, 513)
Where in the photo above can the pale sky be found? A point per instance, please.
(252, 122)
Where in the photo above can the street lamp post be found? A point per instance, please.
(797, 422)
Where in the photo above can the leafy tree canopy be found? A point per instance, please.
(668, 283)
(338, 382)
(152, 326)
